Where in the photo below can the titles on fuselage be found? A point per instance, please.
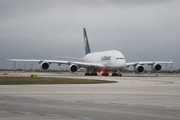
(106, 58)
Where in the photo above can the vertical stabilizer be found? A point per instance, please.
(86, 43)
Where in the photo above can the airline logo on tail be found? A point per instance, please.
(86, 43)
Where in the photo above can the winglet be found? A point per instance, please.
(86, 43)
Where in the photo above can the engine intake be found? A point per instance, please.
(44, 65)
(73, 68)
(156, 67)
(139, 69)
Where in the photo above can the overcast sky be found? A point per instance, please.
(143, 30)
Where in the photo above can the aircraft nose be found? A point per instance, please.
(122, 63)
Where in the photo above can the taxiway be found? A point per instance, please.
(133, 97)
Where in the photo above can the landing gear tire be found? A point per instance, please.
(105, 74)
(93, 74)
(116, 74)
(119, 75)
(90, 74)
(87, 74)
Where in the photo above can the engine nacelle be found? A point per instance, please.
(44, 65)
(139, 69)
(73, 68)
(156, 67)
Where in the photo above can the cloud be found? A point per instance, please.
(142, 29)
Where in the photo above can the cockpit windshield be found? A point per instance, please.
(118, 58)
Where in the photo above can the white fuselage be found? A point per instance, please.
(110, 60)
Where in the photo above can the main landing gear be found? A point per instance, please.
(90, 74)
(103, 74)
(117, 74)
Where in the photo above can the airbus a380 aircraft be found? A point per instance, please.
(104, 62)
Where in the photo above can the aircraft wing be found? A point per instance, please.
(80, 64)
(40, 61)
(73, 58)
(147, 63)
(85, 65)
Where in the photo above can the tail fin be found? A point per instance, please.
(86, 43)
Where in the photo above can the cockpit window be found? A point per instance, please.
(119, 58)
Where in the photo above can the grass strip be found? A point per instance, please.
(45, 80)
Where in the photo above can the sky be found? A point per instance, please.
(143, 30)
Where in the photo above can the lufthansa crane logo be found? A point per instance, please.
(85, 42)
(106, 58)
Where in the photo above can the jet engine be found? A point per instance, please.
(156, 67)
(44, 65)
(73, 68)
(139, 69)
